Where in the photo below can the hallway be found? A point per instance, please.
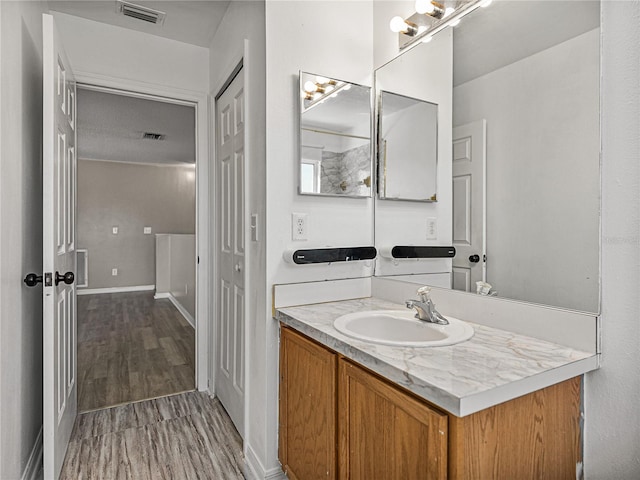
(186, 436)
(131, 348)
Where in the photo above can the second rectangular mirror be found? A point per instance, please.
(407, 148)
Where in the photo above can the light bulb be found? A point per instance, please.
(310, 87)
(322, 80)
(425, 6)
(448, 11)
(328, 89)
(397, 25)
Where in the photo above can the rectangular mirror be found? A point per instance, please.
(335, 137)
(407, 170)
(519, 182)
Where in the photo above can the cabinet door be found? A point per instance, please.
(385, 433)
(307, 442)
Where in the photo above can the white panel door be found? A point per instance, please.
(59, 250)
(469, 205)
(230, 168)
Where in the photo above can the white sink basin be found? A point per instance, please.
(401, 328)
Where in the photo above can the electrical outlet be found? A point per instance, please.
(432, 228)
(299, 226)
(114, 272)
(147, 230)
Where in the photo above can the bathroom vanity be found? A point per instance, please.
(499, 405)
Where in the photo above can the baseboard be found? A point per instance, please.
(254, 470)
(95, 291)
(187, 316)
(34, 464)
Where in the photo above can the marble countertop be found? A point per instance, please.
(492, 367)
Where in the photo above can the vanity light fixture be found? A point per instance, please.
(316, 92)
(400, 25)
(431, 16)
(429, 7)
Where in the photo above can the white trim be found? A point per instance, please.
(143, 163)
(34, 464)
(187, 316)
(203, 206)
(254, 470)
(95, 291)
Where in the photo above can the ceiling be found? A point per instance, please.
(507, 31)
(111, 128)
(187, 21)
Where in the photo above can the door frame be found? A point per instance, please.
(238, 60)
(203, 272)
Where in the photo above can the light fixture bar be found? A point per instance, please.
(428, 25)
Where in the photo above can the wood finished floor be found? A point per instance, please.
(131, 348)
(186, 436)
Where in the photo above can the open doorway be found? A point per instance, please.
(136, 230)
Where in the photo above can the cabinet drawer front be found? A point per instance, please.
(385, 433)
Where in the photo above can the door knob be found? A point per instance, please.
(474, 258)
(237, 267)
(32, 279)
(67, 278)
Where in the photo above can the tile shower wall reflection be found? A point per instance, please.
(346, 173)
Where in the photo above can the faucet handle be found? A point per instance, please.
(423, 293)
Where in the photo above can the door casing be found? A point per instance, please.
(203, 249)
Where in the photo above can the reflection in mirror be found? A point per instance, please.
(524, 165)
(407, 170)
(335, 137)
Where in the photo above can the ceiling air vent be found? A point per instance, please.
(153, 136)
(140, 13)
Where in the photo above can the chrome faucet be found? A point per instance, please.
(425, 308)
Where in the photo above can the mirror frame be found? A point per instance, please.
(372, 149)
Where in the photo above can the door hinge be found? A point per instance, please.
(48, 279)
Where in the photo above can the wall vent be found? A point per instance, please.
(153, 136)
(140, 13)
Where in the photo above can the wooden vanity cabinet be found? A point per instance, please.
(307, 424)
(384, 433)
(339, 420)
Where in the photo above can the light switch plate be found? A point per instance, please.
(114, 272)
(147, 230)
(114, 230)
(254, 227)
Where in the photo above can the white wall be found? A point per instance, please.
(424, 72)
(20, 232)
(612, 429)
(100, 50)
(241, 35)
(542, 172)
(130, 196)
(175, 269)
(326, 38)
